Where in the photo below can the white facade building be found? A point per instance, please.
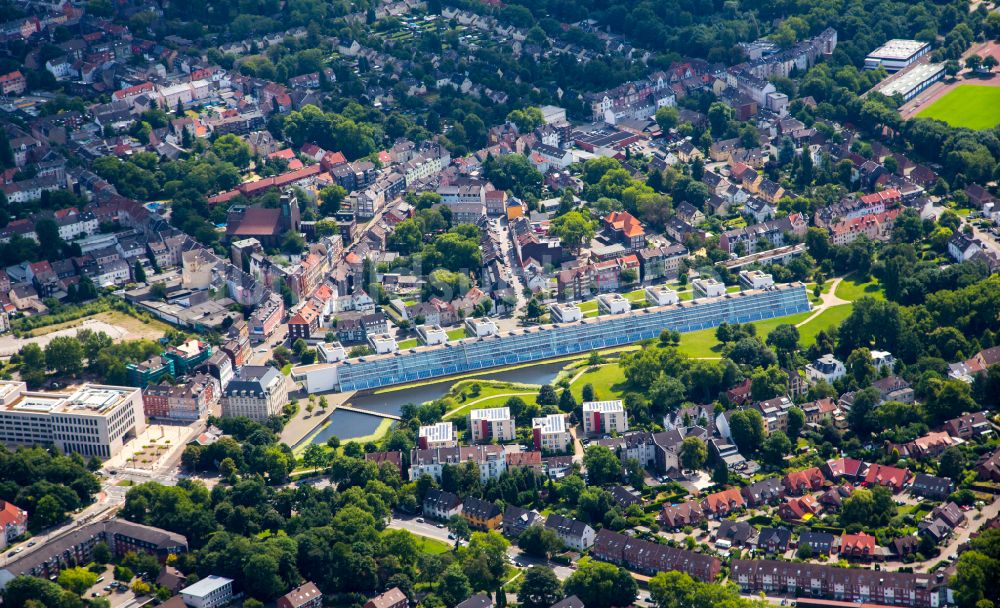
(661, 295)
(602, 417)
(210, 592)
(437, 435)
(96, 420)
(613, 303)
(491, 423)
(827, 368)
(550, 433)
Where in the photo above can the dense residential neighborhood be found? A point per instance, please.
(469, 303)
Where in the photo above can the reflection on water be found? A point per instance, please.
(392, 402)
(348, 425)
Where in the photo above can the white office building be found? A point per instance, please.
(95, 420)
(210, 592)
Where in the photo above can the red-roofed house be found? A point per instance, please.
(13, 522)
(626, 228)
(800, 508)
(857, 546)
(721, 504)
(891, 477)
(807, 480)
(12, 83)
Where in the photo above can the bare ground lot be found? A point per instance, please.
(117, 325)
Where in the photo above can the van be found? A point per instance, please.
(100, 579)
(723, 543)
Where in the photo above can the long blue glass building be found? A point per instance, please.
(547, 341)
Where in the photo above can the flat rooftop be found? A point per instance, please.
(89, 399)
(908, 81)
(441, 431)
(553, 423)
(491, 413)
(603, 406)
(898, 49)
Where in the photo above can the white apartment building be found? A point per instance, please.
(603, 417)
(661, 295)
(613, 304)
(489, 458)
(438, 435)
(755, 279)
(256, 392)
(565, 313)
(210, 592)
(95, 420)
(550, 433)
(479, 328)
(491, 423)
(707, 288)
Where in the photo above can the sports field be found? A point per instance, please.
(967, 105)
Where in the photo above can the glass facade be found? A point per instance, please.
(544, 342)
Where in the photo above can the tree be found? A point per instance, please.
(775, 448)
(534, 309)
(694, 453)
(539, 541)
(574, 229)
(602, 465)
(796, 421)
(989, 62)
(77, 580)
(453, 586)
(870, 508)
(547, 395)
(952, 463)
(330, 199)
(101, 553)
(747, 428)
(667, 118)
(587, 394)
(64, 354)
(484, 560)
(48, 512)
(263, 579)
(784, 338)
(540, 588)
(138, 272)
(459, 526)
(602, 585)
(860, 367)
(973, 62)
(720, 472)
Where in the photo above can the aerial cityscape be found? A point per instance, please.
(489, 303)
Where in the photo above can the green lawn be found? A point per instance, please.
(702, 343)
(849, 289)
(608, 381)
(408, 343)
(456, 334)
(967, 105)
(432, 546)
(489, 395)
(831, 317)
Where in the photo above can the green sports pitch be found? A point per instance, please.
(967, 105)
